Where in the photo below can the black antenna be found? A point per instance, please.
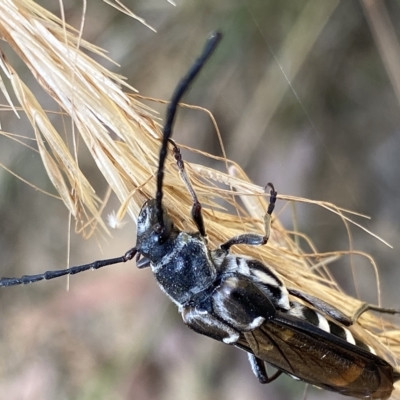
(69, 271)
(181, 89)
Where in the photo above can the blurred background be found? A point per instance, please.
(332, 134)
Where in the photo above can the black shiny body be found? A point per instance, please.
(242, 302)
(239, 300)
(190, 272)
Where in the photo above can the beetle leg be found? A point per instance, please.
(336, 314)
(370, 307)
(252, 239)
(322, 306)
(197, 215)
(240, 303)
(236, 305)
(205, 323)
(259, 370)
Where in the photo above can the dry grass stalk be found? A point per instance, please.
(99, 109)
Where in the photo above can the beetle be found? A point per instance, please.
(239, 300)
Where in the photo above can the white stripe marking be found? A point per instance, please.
(256, 322)
(233, 338)
(349, 336)
(323, 323)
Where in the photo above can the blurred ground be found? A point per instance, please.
(336, 138)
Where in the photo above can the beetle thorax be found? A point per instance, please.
(186, 270)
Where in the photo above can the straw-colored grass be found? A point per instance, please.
(123, 137)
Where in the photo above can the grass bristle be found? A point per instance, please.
(123, 135)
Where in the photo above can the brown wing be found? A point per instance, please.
(319, 358)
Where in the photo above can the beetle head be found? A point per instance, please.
(151, 236)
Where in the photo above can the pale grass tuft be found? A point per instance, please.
(122, 8)
(99, 109)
